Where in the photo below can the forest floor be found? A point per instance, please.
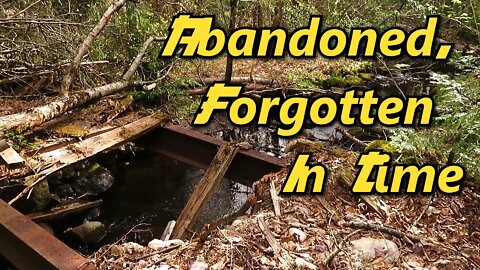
(333, 231)
(319, 232)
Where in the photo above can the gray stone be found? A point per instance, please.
(368, 249)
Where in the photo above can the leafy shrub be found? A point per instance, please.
(455, 131)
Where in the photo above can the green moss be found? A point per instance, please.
(94, 167)
(302, 145)
(366, 76)
(74, 130)
(41, 195)
(345, 173)
(380, 145)
(351, 80)
(332, 81)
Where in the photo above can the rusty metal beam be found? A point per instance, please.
(28, 246)
(198, 150)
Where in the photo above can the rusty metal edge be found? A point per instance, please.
(197, 149)
(29, 247)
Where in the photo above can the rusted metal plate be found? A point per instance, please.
(198, 150)
(28, 246)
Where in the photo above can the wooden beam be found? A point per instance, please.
(204, 189)
(63, 211)
(167, 233)
(73, 153)
(11, 158)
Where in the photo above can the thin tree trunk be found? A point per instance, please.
(233, 18)
(278, 16)
(138, 59)
(83, 49)
(39, 115)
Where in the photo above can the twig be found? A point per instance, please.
(349, 136)
(424, 209)
(40, 21)
(380, 228)
(25, 9)
(165, 250)
(27, 189)
(276, 204)
(338, 248)
(393, 79)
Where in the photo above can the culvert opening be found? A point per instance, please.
(140, 190)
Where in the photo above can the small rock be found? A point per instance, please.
(264, 260)
(368, 249)
(41, 195)
(197, 265)
(298, 234)
(303, 264)
(131, 247)
(89, 232)
(160, 244)
(236, 223)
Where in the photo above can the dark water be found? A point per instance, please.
(151, 189)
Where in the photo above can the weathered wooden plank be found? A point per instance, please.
(278, 251)
(204, 189)
(73, 153)
(275, 199)
(10, 156)
(63, 211)
(168, 230)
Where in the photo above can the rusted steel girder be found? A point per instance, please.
(29, 247)
(197, 149)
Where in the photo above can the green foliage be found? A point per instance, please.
(463, 62)
(172, 95)
(19, 140)
(126, 32)
(302, 78)
(456, 130)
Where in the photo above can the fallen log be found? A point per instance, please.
(237, 80)
(62, 211)
(83, 49)
(39, 115)
(73, 153)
